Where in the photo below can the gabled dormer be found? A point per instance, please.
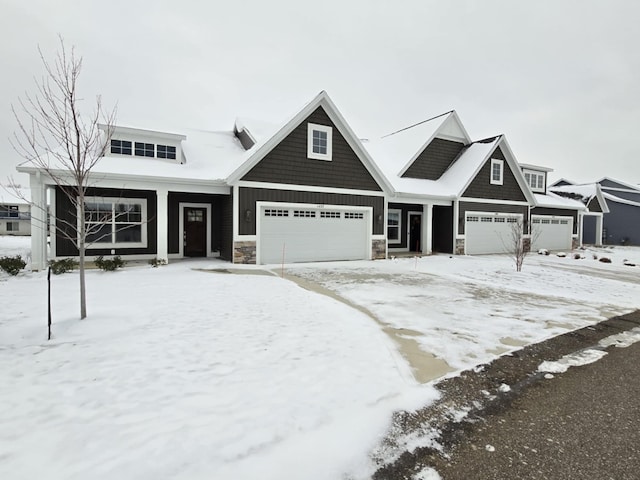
(536, 177)
(138, 143)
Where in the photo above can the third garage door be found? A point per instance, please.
(487, 232)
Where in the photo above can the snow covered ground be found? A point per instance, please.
(185, 374)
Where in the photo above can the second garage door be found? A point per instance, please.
(311, 234)
(552, 233)
(487, 232)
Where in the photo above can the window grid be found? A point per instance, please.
(121, 147)
(9, 211)
(144, 149)
(330, 215)
(13, 226)
(270, 212)
(166, 151)
(354, 215)
(304, 213)
(512, 220)
(114, 221)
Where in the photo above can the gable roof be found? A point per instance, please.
(616, 199)
(583, 193)
(561, 182)
(621, 185)
(263, 147)
(553, 200)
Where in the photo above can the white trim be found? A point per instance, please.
(441, 200)
(307, 188)
(367, 210)
(493, 201)
(399, 239)
(181, 207)
(144, 223)
(490, 214)
(235, 221)
(537, 174)
(314, 127)
(427, 229)
(500, 181)
(537, 168)
(50, 193)
(456, 223)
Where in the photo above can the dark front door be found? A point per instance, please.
(415, 232)
(195, 232)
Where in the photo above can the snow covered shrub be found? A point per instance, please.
(63, 265)
(12, 265)
(109, 265)
(543, 251)
(605, 259)
(561, 254)
(155, 262)
(595, 257)
(577, 256)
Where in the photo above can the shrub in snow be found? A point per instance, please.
(109, 265)
(595, 257)
(628, 263)
(543, 251)
(155, 262)
(62, 266)
(576, 256)
(605, 260)
(12, 265)
(561, 254)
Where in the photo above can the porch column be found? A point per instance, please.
(162, 222)
(599, 226)
(38, 223)
(580, 227)
(427, 229)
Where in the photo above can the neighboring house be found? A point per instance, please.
(305, 191)
(555, 220)
(452, 194)
(15, 211)
(616, 206)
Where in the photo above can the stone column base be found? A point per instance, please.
(459, 246)
(244, 252)
(378, 249)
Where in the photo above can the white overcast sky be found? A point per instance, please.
(560, 78)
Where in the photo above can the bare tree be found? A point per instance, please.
(518, 244)
(56, 139)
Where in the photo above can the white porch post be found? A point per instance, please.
(599, 226)
(162, 222)
(580, 227)
(427, 228)
(38, 223)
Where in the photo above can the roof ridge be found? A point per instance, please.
(416, 124)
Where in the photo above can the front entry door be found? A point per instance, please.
(195, 232)
(415, 232)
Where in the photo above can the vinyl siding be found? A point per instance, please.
(288, 163)
(481, 186)
(622, 224)
(249, 196)
(434, 159)
(489, 207)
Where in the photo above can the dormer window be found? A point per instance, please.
(319, 142)
(497, 170)
(144, 149)
(166, 151)
(121, 147)
(535, 180)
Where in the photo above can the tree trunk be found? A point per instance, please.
(81, 254)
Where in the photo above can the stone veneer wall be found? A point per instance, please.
(459, 246)
(575, 243)
(378, 249)
(526, 244)
(244, 252)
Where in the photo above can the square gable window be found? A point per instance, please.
(319, 141)
(497, 170)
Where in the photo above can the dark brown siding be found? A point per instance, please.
(434, 160)
(560, 212)
(217, 230)
(249, 197)
(594, 205)
(490, 207)
(227, 228)
(481, 186)
(406, 208)
(66, 212)
(288, 162)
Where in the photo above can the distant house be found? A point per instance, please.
(619, 203)
(15, 211)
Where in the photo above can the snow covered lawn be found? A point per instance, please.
(185, 374)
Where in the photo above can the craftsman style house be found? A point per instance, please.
(305, 190)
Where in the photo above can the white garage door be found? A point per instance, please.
(552, 233)
(487, 232)
(310, 234)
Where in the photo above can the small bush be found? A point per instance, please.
(605, 259)
(12, 265)
(63, 265)
(577, 256)
(109, 265)
(155, 262)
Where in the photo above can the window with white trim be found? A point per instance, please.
(394, 221)
(166, 151)
(319, 142)
(9, 211)
(116, 222)
(535, 180)
(144, 149)
(497, 170)
(13, 226)
(121, 147)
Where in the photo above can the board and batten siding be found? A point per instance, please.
(465, 207)
(434, 159)
(559, 213)
(247, 198)
(481, 186)
(288, 163)
(66, 214)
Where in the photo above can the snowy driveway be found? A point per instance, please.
(465, 310)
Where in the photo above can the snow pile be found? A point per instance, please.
(427, 473)
(622, 340)
(576, 359)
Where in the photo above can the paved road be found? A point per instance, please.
(582, 424)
